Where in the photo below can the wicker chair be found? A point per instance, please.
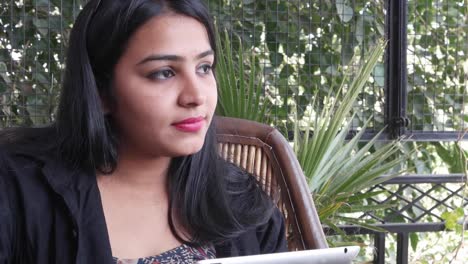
(264, 152)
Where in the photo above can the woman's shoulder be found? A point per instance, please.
(23, 152)
(12, 158)
(272, 235)
(18, 171)
(252, 202)
(33, 142)
(269, 237)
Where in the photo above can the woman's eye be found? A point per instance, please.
(205, 68)
(162, 74)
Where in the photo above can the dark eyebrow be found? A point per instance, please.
(204, 54)
(172, 57)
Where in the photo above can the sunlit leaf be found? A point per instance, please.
(344, 11)
(452, 217)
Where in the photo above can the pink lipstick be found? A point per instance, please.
(192, 124)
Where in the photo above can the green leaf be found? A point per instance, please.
(452, 217)
(41, 2)
(3, 87)
(344, 11)
(334, 227)
(362, 223)
(37, 109)
(452, 155)
(248, 2)
(355, 208)
(361, 196)
(239, 91)
(414, 239)
(379, 74)
(3, 72)
(360, 31)
(41, 25)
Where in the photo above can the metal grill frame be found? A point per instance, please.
(414, 225)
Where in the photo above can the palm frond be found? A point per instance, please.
(337, 169)
(239, 88)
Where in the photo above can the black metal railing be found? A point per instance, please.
(401, 220)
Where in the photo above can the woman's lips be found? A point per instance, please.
(192, 124)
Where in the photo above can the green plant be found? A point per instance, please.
(457, 218)
(239, 87)
(338, 169)
(302, 49)
(33, 37)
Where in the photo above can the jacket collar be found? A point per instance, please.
(57, 175)
(67, 182)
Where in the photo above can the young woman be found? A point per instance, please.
(129, 172)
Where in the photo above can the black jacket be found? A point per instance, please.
(51, 214)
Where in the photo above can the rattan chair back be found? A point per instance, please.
(263, 151)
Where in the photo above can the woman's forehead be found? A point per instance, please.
(170, 34)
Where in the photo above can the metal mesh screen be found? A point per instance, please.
(33, 36)
(306, 46)
(437, 65)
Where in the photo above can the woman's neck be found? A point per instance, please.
(144, 178)
(135, 203)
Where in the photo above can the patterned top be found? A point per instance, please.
(183, 254)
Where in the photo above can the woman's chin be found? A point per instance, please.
(188, 150)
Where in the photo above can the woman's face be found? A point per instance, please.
(165, 91)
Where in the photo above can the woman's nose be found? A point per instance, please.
(192, 93)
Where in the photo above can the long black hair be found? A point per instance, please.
(210, 199)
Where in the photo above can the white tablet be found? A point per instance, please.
(338, 255)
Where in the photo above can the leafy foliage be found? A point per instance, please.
(452, 218)
(338, 169)
(33, 37)
(302, 46)
(437, 65)
(239, 88)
